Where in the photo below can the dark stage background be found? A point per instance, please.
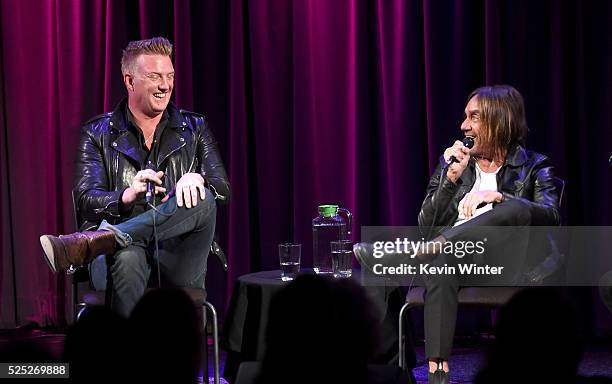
(347, 102)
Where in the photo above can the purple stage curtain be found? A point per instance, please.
(313, 102)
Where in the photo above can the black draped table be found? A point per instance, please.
(245, 324)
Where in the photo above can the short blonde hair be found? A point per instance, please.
(153, 46)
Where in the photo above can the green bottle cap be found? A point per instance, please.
(328, 210)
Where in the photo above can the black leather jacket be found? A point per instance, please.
(107, 161)
(526, 175)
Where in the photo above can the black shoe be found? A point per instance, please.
(438, 377)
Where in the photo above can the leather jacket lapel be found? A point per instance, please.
(178, 134)
(174, 141)
(123, 144)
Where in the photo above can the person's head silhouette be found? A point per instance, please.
(320, 330)
(537, 340)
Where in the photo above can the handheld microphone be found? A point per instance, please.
(150, 186)
(468, 141)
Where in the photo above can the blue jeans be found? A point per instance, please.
(184, 236)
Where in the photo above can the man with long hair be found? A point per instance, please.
(145, 154)
(471, 193)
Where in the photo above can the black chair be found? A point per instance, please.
(474, 297)
(85, 295)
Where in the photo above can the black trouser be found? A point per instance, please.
(441, 299)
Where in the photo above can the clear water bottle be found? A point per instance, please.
(328, 227)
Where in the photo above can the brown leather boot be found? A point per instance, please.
(77, 248)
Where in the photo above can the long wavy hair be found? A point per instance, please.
(502, 112)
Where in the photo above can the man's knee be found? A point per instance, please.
(442, 281)
(206, 205)
(208, 209)
(517, 211)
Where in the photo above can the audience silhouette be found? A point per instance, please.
(323, 330)
(96, 347)
(320, 330)
(167, 333)
(160, 342)
(537, 340)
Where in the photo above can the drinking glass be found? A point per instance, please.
(289, 256)
(342, 258)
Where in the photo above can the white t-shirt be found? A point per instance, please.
(484, 182)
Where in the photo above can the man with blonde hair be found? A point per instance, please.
(146, 173)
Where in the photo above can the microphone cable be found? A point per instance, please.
(435, 215)
(433, 221)
(155, 239)
(468, 141)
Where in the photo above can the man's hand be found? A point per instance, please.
(461, 153)
(473, 200)
(187, 190)
(138, 186)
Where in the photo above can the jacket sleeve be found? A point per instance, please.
(94, 198)
(210, 164)
(438, 201)
(544, 208)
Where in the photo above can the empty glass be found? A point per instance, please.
(289, 255)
